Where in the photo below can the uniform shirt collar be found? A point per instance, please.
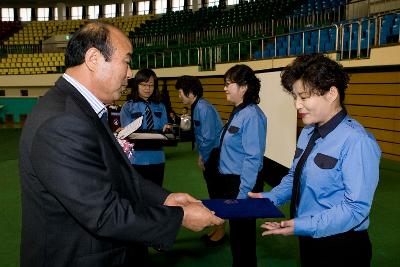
(194, 103)
(94, 102)
(142, 100)
(328, 127)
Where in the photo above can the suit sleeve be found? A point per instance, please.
(72, 162)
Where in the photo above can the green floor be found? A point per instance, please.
(183, 175)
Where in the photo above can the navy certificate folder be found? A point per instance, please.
(243, 208)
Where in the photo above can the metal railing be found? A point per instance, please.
(352, 39)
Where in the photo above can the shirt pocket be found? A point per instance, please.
(157, 114)
(136, 115)
(196, 123)
(233, 129)
(325, 161)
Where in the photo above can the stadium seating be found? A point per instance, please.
(253, 30)
(7, 28)
(40, 63)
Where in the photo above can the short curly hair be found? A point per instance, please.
(189, 84)
(318, 72)
(244, 75)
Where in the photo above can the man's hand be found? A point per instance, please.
(275, 228)
(196, 217)
(200, 162)
(180, 199)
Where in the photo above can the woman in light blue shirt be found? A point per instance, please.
(207, 126)
(332, 180)
(242, 150)
(144, 101)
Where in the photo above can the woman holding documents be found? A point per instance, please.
(335, 170)
(241, 157)
(148, 161)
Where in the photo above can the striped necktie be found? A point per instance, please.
(149, 117)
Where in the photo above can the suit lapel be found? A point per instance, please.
(116, 144)
(101, 128)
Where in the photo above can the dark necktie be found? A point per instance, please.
(294, 202)
(149, 117)
(231, 116)
(192, 137)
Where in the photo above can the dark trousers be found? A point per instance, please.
(215, 186)
(136, 255)
(242, 231)
(152, 172)
(212, 185)
(242, 236)
(347, 249)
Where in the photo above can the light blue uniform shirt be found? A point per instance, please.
(243, 147)
(132, 110)
(338, 179)
(207, 127)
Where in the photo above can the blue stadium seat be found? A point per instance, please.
(364, 33)
(257, 55)
(330, 46)
(395, 29)
(282, 51)
(387, 24)
(310, 49)
(269, 51)
(295, 44)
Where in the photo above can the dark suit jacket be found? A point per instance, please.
(82, 202)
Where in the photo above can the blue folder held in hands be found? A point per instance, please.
(243, 208)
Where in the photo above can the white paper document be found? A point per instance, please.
(130, 128)
(154, 136)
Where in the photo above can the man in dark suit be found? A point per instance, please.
(82, 202)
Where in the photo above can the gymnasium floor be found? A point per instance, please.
(183, 175)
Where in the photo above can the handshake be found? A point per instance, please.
(195, 215)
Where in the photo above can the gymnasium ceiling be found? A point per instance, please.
(48, 3)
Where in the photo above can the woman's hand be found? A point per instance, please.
(278, 228)
(254, 195)
(167, 128)
(200, 163)
(119, 129)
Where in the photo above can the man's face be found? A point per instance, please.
(112, 76)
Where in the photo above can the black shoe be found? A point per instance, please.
(211, 243)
